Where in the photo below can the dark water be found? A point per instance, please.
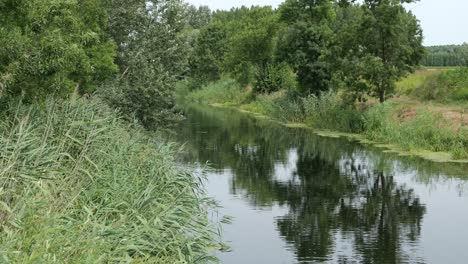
(299, 198)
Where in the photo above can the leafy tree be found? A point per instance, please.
(198, 17)
(391, 44)
(53, 47)
(152, 55)
(208, 55)
(251, 43)
(305, 41)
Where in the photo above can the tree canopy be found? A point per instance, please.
(362, 48)
(53, 47)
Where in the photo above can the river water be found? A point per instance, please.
(296, 197)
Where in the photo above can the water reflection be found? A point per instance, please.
(342, 201)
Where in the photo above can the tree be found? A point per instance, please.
(251, 43)
(390, 44)
(152, 56)
(198, 17)
(305, 41)
(53, 47)
(208, 54)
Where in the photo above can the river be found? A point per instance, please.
(296, 197)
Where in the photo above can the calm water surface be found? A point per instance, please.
(296, 197)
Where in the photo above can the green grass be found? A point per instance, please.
(425, 131)
(226, 91)
(78, 185)
(445, 85)
(413, 81)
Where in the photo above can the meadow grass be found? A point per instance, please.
(437, 84)
(425, 131)
(78, 185)
(409, 84)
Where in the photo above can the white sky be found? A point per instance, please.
(443, 21)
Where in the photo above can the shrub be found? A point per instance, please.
(275, 77)
(327, 111)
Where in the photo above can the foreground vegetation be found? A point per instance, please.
(81, 186)
(408, 125)
(79, 182)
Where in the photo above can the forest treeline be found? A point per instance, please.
(446, 56)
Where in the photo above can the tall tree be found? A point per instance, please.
(391, 44)
(251, 43)
(197, 17)
(306, 40)
(208, 54)
(152, 55)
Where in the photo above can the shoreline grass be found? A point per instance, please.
(406, 129)
(79, 185)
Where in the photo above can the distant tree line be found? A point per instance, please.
(448, 55)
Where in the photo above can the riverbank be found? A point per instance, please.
(431, 130)
(81, 185)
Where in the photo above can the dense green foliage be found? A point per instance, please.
(152, 55)
(53, 47)
(443, 56)
(307, 47)
(130, 52)
(81, 186)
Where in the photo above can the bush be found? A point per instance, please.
(278, 105)
(275, 78)
(80, 186)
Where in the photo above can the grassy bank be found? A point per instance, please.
(78, 185)
(408, 126)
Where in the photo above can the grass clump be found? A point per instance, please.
(329, 112)
(78, 185)
(278, 105)
(225, 91)
(414, 81)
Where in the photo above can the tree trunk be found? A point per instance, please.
(382, 96)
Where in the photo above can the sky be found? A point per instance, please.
(443, 21)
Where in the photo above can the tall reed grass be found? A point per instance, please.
(78, 185)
